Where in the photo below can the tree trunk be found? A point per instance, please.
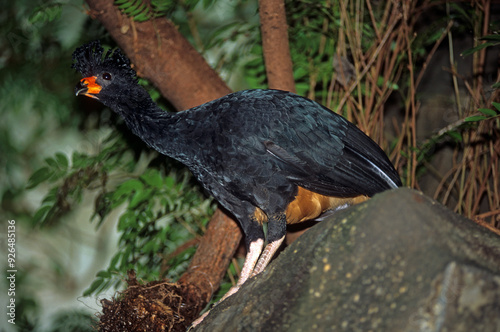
(274, 30)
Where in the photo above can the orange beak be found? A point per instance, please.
(88, 87)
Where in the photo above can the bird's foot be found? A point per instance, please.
(199, 320)
(231, 291)
(253, 266)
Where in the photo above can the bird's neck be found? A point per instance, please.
(161, 130)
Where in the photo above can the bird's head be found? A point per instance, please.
(105, 75)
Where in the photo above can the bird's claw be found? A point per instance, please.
(231, 291)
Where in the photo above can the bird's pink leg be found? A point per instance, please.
(254, 251)
(251, 259)
(266, 256)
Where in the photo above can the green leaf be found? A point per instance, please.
(39, 176)
(475, 118)
(125, 257)
(150, 247)
(103, 274)
(96, 284)
(41, 214)
(169, 182)
(153, 178)
(139, 197)
(51, 162)
(127, 188)
(62, 160)
(477, 48)
(51, 197)
(207, 3)
(455, 135)
(144, 16)
(127, 220)
(491, 37)
(300, 73)
(80, 160)
(46, 13)
(114, 261)
(496, 105)
(487, 111)
(126, 4)
(461, 11)
(138, 10)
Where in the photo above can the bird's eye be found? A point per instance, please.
(106, 76)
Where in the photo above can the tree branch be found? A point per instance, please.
(274, 30)
(162, 55)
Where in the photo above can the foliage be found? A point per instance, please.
(41, 134)
(162, 213)
(142, 11)
(163, 207)
(75, 321)
(27, 92)
(490, 40)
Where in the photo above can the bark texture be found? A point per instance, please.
(274, 30)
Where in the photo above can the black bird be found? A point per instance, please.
(265, 155)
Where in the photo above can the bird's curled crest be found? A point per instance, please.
(90, 59)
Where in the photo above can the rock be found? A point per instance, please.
(398, 262)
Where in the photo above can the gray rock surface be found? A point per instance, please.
(399, 262)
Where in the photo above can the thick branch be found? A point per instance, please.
(163, 56)
(209, 264)
(275, 45)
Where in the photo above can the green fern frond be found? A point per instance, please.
(138, 10)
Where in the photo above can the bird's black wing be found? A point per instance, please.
(322, 152)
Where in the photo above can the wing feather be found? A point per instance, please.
(327, 154)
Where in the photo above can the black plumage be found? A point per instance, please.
(255, 151)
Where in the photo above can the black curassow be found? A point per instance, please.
(265, 155)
